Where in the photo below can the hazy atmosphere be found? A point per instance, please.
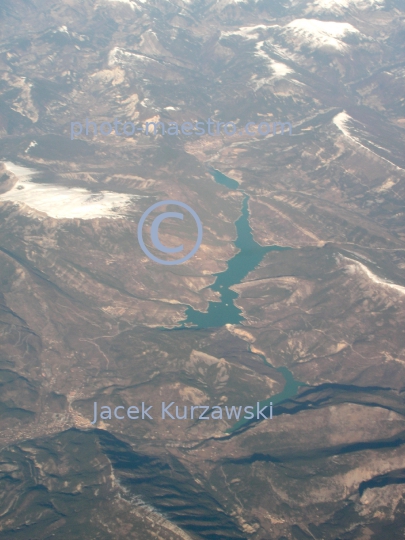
(202, 269)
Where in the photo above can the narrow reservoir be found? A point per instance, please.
(225, 312)
(249, 256)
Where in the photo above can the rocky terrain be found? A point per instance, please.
(87, 317)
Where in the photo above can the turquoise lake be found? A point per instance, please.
(250, 255)
(225, 312)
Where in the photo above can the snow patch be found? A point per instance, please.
(278, 69)
(229, 2)
(121, 56)
(248, 32)
(60, 202)
(244, 1)
(338, 7)
(342, 120)
(133, 5)
(319, 34)
(279, 72)
(32, 144)
(356, 267)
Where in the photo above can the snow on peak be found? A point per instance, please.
(318, 34)
(338, 7)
